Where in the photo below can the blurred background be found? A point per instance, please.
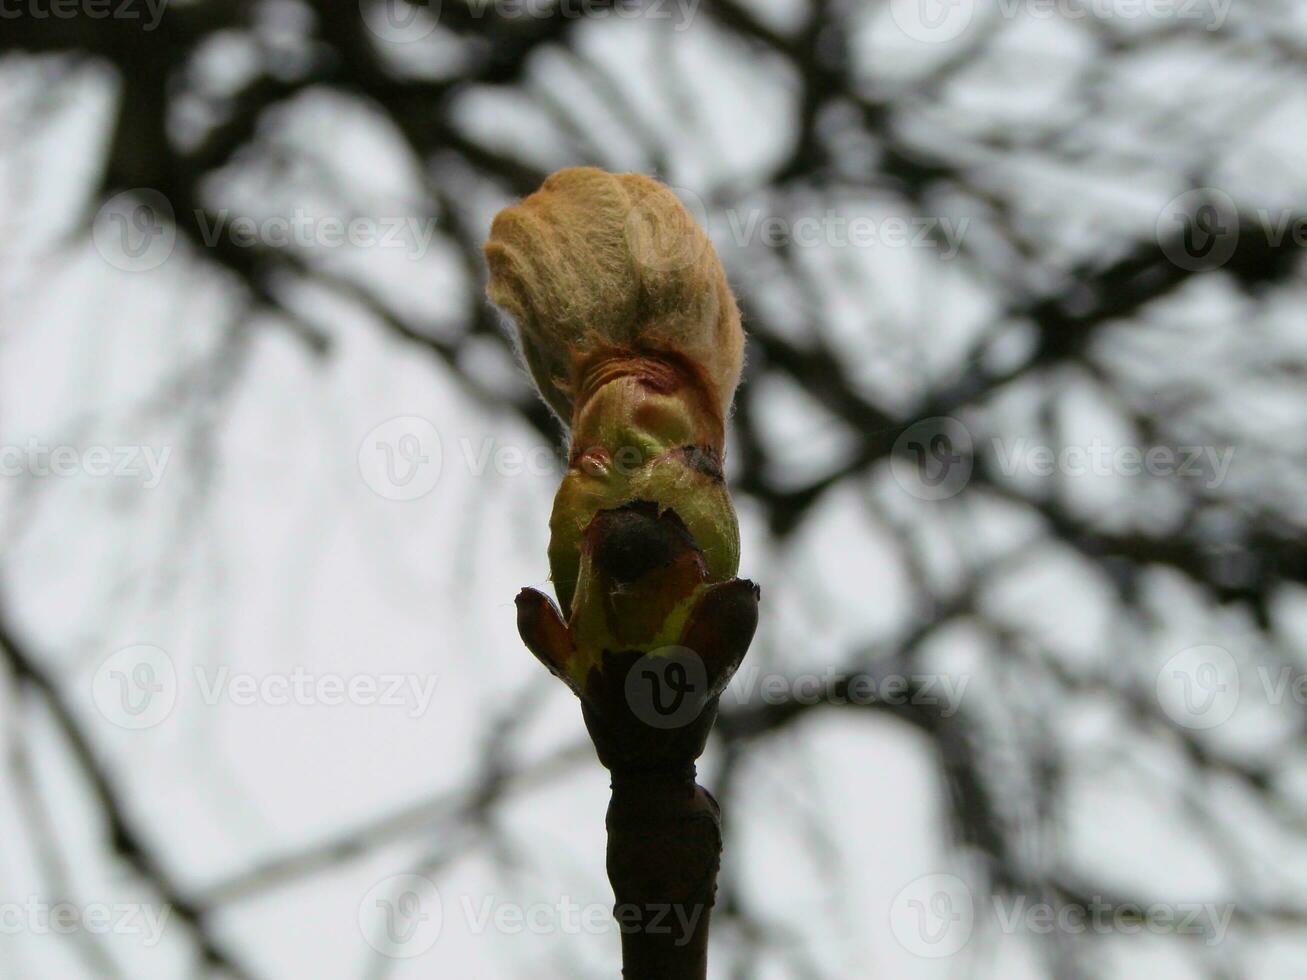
(1019, 459)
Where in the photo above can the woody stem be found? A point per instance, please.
(664, 850)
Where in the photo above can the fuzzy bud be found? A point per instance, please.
(595, 263)
(632, 336)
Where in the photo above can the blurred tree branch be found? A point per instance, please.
(920, 149)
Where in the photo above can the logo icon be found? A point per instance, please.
(933, 459)
(933, 916)
(135, 687)
(400, 916)
(135, 230)
(1199, 230)
(400, 459)
(665, 241)
(1198, 688)
(932, 21)
(400, 21)
(668, 687)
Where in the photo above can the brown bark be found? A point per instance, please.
(664, 850)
